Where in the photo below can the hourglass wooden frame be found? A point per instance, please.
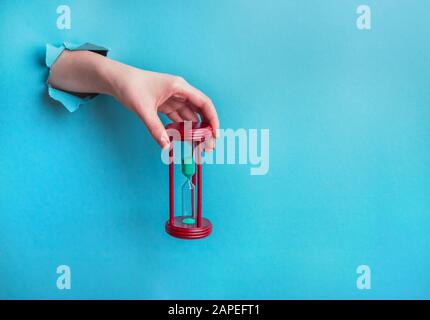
(194, 133)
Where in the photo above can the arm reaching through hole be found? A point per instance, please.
(144, 92)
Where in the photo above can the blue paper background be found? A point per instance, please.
(348, 113)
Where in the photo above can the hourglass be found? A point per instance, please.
(189, 224)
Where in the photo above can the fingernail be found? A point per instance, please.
(165, 141)
(166, 145)
(179, 98)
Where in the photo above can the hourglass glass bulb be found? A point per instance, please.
(188, 202)
(188, 169)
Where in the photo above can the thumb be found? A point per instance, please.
(155, 128)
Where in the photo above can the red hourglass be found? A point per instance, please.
(190, 224)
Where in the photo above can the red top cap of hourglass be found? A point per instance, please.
(190, 131)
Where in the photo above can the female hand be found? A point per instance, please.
(144, 92)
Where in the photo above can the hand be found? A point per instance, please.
(144, 92)
(147, 93)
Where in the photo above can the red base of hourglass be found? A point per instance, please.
(195, 133)
(183, 231)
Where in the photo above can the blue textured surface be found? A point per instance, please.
(348, 113)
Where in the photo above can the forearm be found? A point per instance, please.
(84, 72)
(144, 92)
